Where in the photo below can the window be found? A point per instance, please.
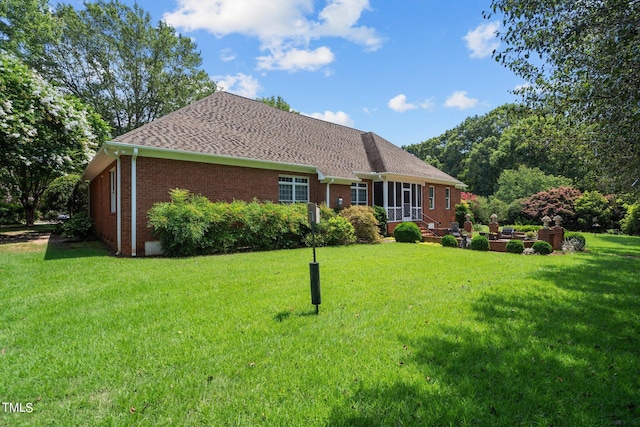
(432, 197)
(447, 198)
(359, 192)
(293, 189)
(113, 184)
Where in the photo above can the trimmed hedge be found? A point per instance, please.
(449, 241)
(542, 247)
(407, 232)
(480, 243)
(192, 225)
(364, 223)
(515, 246)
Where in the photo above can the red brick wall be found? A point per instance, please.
(155, 177)
(105, 225)
(441, 213)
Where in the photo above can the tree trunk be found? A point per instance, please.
(29, 214)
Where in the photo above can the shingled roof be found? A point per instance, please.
(230, 126)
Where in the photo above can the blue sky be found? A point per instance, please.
(407, 70)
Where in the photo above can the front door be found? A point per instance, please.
(406, 204)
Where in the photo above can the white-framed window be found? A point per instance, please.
(447, 198)
(113, 185)
(359, 193)
(432, 197)
(293, 189)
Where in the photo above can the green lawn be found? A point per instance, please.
(407, 335)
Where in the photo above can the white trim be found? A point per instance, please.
(134, 205)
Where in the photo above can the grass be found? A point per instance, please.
(407, 335)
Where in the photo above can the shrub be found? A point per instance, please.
(380, 214)
(631, 222)
(515, 246)
(364, 223)
(65, 195)
(449, 241)
(462, 209)
(192, 225)
(11, 213)
(407, 232)
(480, 243)
(78, 226)
(592, 205)
(577, 241)
(542, 248)
(335, 231)
(526, 228)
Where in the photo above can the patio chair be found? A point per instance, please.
(454, 229)
(507, 233)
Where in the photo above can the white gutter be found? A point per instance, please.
(119, 204)
(134, 206)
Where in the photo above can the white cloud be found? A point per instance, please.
(240, 84)
(460, 100)
(483, 40)
(280, 25)
(296, 59)
(338, 117)
(399, 104)
(227, 55)
(522, 87)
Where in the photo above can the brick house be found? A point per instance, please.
(228, 147)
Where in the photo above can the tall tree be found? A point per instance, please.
(43, 133)
(112, 57)
(582, 60)
(26, 26)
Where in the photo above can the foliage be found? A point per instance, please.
(543, 248)
(462, 209)
(26, 27)
(78, 226)
(407, 232)
(574, 242)
(364, 223)
(524, 181)
(592, 207)
(631, 222)
(111, 56)
(278, 103)
(449, 241)
(11, 213)
(515, 246)
(580, 59)
(482, 147)
(192, 225)
(380, 214)
(43, 134)
(556, 201)
(479, 243)
(333, 231)
(65, 195)
(526, 228)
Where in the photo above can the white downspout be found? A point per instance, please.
(329, 192)
(119, 205)
(134, 206)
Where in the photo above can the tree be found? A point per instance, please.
(26, 26)
(552, 202)
(65, 195)
(523, 182)
(582, 62)
(43, 134)
(278, 103)
(591, 208)
(110, 56)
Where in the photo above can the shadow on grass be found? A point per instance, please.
(58, 248)
(617, 245)
(566, 354)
